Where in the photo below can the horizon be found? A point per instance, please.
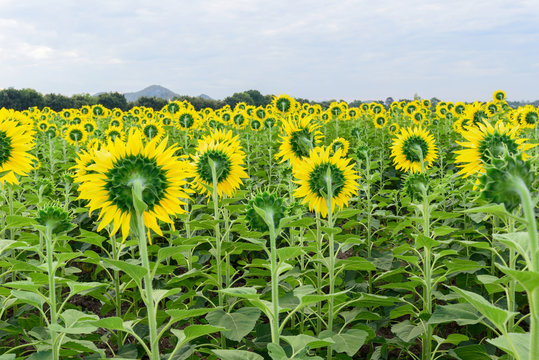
(349, 50)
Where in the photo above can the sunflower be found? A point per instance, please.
(76, 134)
(153, 130)
(312, 178)
(284, 103)
(394, 128)
(487, 140)
(380, 121)
(339, 143)
(298, 138)
(113, 133)
(418, 117)
(228, 158)
(15, 145)
(476, 113)
(43, 125)
(528, 117)
(410, 146)
(108, 187)
(187, 119)
(498, 95)
(239, 119)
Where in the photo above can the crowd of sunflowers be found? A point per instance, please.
(138, 171)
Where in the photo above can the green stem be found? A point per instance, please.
(331, 259)
(275, 333)
(533, 296)
(427, 270)
(52, 290)
(117, 294)
(143, 250)
(318, 271)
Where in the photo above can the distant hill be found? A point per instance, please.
(205, 97)
(151, 91)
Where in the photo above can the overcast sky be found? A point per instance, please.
(341, 49)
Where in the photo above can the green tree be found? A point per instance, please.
(112, 100)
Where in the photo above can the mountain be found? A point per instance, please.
(205, 97)
(151, 91)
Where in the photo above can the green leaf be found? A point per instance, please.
(83, 287)
(9, 244)
(512, 342)
(463, 314)
(276, 352)
(160, 294)
(7, 357)
(289, 252)
(41, 355)
(17, 221)
(518, 241)
(169, 251)
(499, 317)
(456, 339)
(443, 230)
(528, 279)
(237, 324)
(182, 314)
(110, 323)
(302, 341)
(423, 241)
(407, 331)
(470, 352)
(195, 331)
(242, 292)
(29, 298)
(134, 271)
(349, 342)
(72, 316)
(495, 209)
(237, 355)
(357, 263)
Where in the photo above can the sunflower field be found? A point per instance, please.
(281, 232)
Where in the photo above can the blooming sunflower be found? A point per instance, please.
(15, 145)
(394, 128)
(187, 119)
(284, 103)
(113, 133)
(408, 147)
(487, 140)
(108, 183)
(76, 134)
(153, 130)
(312, 178)
(498, 95)
(528, 117)
(339, 143)
(476, 113)
(380, 121)
(298, 138)
(228, 158)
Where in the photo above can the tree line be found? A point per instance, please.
(22, 99)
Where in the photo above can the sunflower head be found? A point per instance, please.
(298, 138)
(413, 150)
(356, 132)
(380, 121)
(284, 103)
(56, 218)
(272, 209)
(324, 180)
(498, 95)
(121, 168)
(221, 157)
(340, 143)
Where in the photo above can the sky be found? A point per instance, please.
(317, 49)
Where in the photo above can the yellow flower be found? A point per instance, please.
(339, 143)
(312, 178)
(108, 183)
(298, 138)
(487, 140)
(15, 145)
(410, 146)
(284, 104)
(228, 159)
(76, 134)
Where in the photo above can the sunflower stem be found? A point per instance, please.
(275, 333)
(427, 273)
(318, 271)
(331, 260)
(52, 290)
(533, 295)
(147, 297)
(218, 260)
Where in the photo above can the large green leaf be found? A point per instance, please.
(237, 355)
(348, 342)
(302, 341)
(237, 324)
(182, 314)
(515, 344)
(463, 314)
(528, 279)
(134, 271)
(17, 221)
(499, 317)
